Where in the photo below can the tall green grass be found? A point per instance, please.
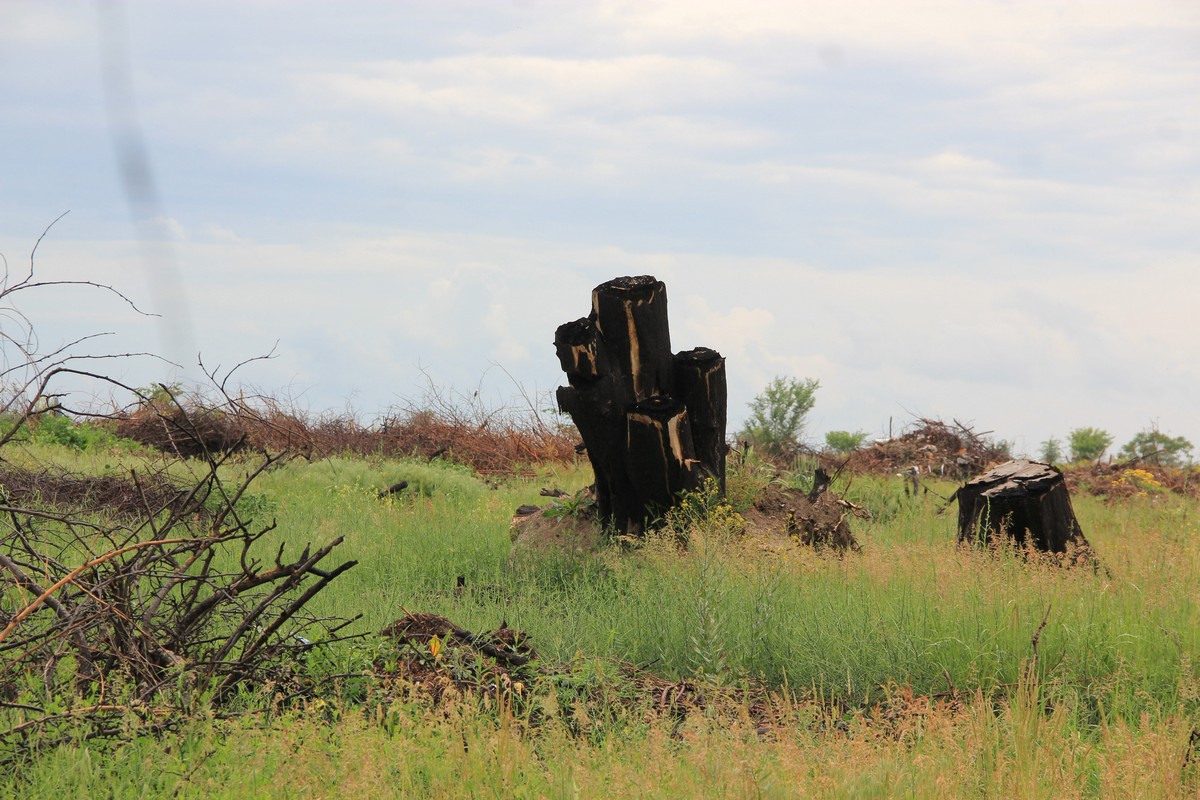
(913, 608)
(1115, 680)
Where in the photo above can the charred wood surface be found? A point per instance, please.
(653, 422)
(1025, 501)
(660, 457)
(630, 315)
(700, 384)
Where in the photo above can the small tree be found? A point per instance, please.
(1088, 444)
(844, 441)
(1158, 448)
(776, 420)
(1051, 451)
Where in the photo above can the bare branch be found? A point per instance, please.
(33, 253)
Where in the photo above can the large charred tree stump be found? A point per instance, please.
(653, 423)
(1025, 501)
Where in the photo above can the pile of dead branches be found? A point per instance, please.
(500, 440)
(188, 426)
(931, 447)
(491, 444)
(434, 655)
(1131, 479)
(144, 606)
(129, 602)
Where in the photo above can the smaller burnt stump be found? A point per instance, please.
(1025, 501)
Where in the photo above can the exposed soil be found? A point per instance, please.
(788, 513)
(541, 529)
(780, 517)
(117, 494)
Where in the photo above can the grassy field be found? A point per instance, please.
(905, 670)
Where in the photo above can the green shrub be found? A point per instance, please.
(844, 441)
(776, 420)
(1051, 451)
(83, 436)
(1158, 448)
(1088, 444)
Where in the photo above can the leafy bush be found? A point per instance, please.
(83, 436)
(747, 476)
(1088, 444)
(575, 505)
(1158, 448)
(706, 507)
(844, 441)
(1051, 451)
(776, 420)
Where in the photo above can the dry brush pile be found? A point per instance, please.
(435, 660)
(1132, 479)
(490, 440)
(143, 598)
(934, 448)
(130, 601)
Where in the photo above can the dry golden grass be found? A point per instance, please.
(975, 749)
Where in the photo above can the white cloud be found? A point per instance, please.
(955, 164)
(368, 311)
(221, 234)
(732, 332)
(28, 22)
(168, 228)
(532, 89)
(942, 207)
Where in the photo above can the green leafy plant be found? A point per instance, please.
(844, 441)
(704, 507)
(776, 420)
(62, 430)
(1088, 444)
(571, 505)
(1142, 481)
(1156, 447)
(1051, 451)
(747, 475)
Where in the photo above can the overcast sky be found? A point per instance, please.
(987, 211)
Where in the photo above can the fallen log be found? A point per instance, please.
(400, 486)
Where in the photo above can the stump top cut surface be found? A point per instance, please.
(699, 356)
(1018, 477)
(637, 284)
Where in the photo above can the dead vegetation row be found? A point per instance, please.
(1133, 478)
(491, 440)
(124, 495)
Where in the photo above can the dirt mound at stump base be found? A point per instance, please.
(823, 522)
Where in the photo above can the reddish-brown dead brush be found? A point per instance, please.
(501, 440)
